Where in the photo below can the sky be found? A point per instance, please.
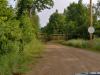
(60, 5)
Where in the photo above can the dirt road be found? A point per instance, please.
(61, 60)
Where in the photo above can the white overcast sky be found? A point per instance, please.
(59, 4)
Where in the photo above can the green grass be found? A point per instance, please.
(16, 62)
(96, 44)
(80, 43)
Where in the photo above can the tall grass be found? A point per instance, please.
(16, 62)
(96, 44)
(80, 43)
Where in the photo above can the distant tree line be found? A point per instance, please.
(74, 22)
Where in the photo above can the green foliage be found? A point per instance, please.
(15, 62)
(35, 24)
(6, 12)
(97, 28)
(70, 30)
(3, 7)
(27, 29)
(42, 4)
(73, 22)
(79, 43)
(22, 6)
(32, 5)
(18, 42)
(77, 13)
(96, 44)
(11, 63)
(56, 24)
(10, 34)
(97, 9)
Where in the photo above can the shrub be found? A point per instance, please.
(27, 29)
(10, 35)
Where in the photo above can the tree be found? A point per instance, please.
(78, 13)
(28, 17)
(6, 12)
(96, 8)
(29, 7)
(80, 2)
(32, 5)
(10, 33)
(17, 35)
(56, 24)
(96, 21)
(97, 28)
(35, 24)
(70, 30)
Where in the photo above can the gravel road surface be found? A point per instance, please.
(62, 60)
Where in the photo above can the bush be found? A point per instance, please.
(27, 29)
(10, 35)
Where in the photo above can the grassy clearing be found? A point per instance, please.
(79, 43)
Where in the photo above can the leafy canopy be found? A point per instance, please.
(56, 24)
(32, 5)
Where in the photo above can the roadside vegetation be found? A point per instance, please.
(80, 43)
(19, 28)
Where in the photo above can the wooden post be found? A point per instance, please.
(91, 19)
(91, 24)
